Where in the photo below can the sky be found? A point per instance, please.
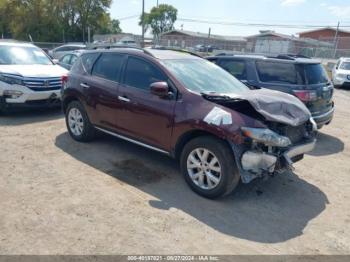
(211, 12)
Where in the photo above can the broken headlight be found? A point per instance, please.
(266, 136)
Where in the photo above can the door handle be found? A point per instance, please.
(84, 85)
(124, 99)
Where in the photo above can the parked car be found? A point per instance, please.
(27, 76)
(60, 51)
(204, 48)
(127, 42)
(190, 109)
(341, 73)
(302, 77)
(69, 59)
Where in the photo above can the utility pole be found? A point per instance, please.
(157, 3)
(209, 33)
(143, 24)
(336, 41)
(89, 34)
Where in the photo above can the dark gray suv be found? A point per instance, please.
(300, 76)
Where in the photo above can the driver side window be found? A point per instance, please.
(141, 74)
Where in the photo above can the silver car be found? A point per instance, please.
(60, 51)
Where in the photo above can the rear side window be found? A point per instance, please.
(272, 72)
(235, 68)
(108, 66)
(141, 74)
(88, 61)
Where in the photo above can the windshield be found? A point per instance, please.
(20, 55)
(202, 76)
(315, 74)
(345, 66)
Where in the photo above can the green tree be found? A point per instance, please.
(55, 20)
(161, 19)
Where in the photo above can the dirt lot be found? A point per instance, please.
(111, 197)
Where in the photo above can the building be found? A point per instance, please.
(340, 40)
(121, 38)
(271, 42)
(189, 39)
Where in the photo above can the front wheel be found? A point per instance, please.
(78, 123)
(209, 168)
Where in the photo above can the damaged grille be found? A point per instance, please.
(296, 134)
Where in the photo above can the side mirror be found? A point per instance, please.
(55, 61)
(160, 89)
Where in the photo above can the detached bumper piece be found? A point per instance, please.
(254, 164)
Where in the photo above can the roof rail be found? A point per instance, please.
(176, 50)
(121, 46)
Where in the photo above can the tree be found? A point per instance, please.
(115, 27)
(55, 20)
(161, 19)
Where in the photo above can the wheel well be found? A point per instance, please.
(185, 138)
(67, 101)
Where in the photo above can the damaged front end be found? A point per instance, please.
(289, 132)
(272, 153)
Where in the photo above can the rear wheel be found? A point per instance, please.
(78, 123)
(209, 168)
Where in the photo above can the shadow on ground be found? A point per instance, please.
(29, 116)
(327, 145)
(269, 211)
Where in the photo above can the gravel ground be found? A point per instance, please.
(112, 197)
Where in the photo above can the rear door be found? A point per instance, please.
(101, 88)
(144, 116)
(237, 68)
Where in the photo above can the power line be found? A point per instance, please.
(190, 20)
(243, 24)
(128, 17)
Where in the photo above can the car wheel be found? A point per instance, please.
(78, 123)
(2, 105)
(209, 167)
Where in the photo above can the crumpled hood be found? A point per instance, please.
(34, 70)
(277, 106)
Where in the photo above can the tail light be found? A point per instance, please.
(64, 80)
(306, 95)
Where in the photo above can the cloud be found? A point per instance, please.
(339, 11)
(292, 2)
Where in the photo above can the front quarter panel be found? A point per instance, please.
(194, 113)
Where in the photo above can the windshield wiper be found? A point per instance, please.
(212, 96)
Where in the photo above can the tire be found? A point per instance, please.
(2, 105)
(87, 131)
(229, 176)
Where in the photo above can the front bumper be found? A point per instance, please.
(254, 164)
(28, 96)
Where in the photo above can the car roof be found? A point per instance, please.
(73, 44)
(159, 54)
(275, 58)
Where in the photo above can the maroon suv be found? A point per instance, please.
(190, 109)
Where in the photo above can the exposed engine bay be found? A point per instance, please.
(290, 132)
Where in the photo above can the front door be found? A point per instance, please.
(144, 117)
